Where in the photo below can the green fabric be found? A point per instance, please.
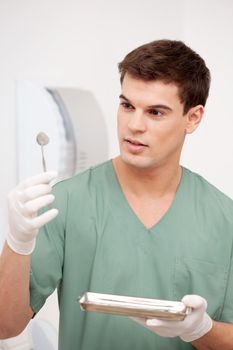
(98, 244)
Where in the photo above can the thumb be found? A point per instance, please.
(195, 301)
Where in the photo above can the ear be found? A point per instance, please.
(194, 117)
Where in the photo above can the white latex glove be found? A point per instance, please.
(194, 326)
(23, 203)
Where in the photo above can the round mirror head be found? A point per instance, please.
(42, 139)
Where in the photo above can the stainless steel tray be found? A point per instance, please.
(133, 306)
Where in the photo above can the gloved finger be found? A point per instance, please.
(154, 322)
(32, 207)
(165, 332)
(168, 328)
(140, 320)
(195, 301)
(164, 324)
(163, 328)
(33, 192)
(43, 178)
(44, 218)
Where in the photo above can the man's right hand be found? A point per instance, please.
(24, 201)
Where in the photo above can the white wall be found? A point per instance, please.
(209, 30)
(78, 43)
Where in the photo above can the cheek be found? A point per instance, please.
(121, 122)
(177, 135)
(171, 133)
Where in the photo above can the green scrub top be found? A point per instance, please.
(98, 244)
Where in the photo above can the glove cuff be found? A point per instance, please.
(203, 328)
(22, 248)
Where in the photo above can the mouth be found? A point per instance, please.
(135, 146)
(135, 142)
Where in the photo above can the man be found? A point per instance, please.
(137, 225)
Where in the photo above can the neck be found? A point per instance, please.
(158, 181)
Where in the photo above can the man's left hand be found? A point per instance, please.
(196, 324)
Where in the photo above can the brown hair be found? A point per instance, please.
(170, 61)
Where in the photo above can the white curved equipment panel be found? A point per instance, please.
(74, 123)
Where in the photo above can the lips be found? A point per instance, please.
(135, 142)
(135, 146)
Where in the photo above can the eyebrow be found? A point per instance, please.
(152, 106)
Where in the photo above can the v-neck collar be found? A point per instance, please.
(120, 202)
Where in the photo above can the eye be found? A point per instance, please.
(155, 112)
(126, 105)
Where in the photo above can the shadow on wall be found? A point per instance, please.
(74, 123)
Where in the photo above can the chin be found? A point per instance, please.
(138, 162)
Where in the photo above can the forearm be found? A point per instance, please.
(14, 292)
(219, 337)
(24, 202)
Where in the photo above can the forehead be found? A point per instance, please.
(150, 92)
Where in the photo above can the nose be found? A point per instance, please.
(137, 122)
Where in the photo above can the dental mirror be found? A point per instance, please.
(42, 140)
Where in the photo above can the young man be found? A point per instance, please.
(137, 225)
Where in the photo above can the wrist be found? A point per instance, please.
(22, 248)
(203, 328)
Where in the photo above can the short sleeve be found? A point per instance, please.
(47, 258)
(227, 312)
